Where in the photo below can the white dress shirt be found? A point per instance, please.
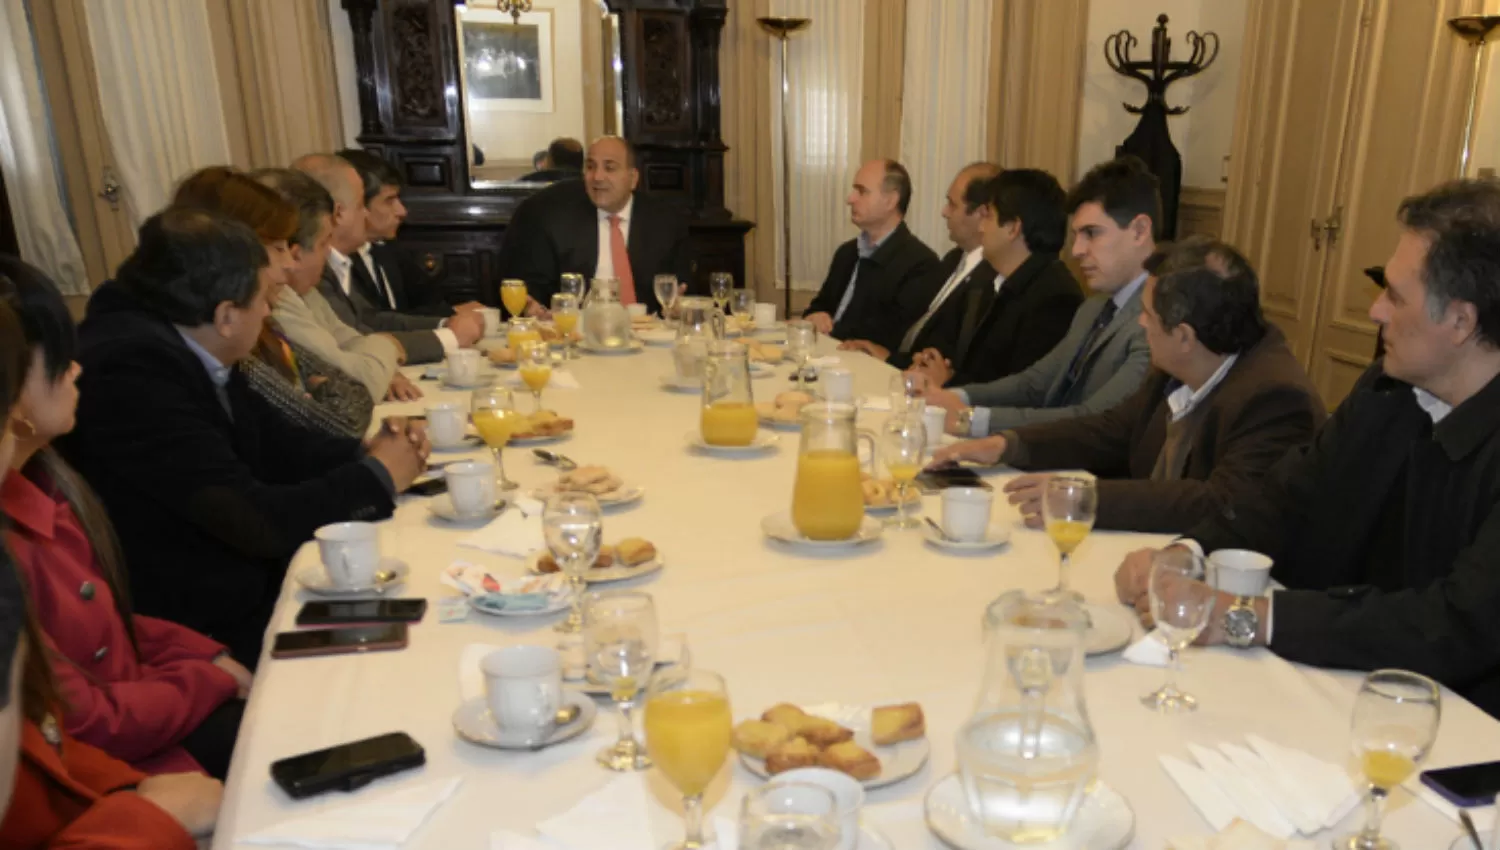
(970, 261)
(605, 267)
(343, 271)
(1182, 400)
(377, 274)
(342, 267)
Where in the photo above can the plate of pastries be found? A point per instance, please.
(782, 412)
(598, 481)
(543, 426)
(631, 557)
(878, 746)
(880, 494)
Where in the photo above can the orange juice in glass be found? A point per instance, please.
(522, 333)
(688, 730)
(513, 296)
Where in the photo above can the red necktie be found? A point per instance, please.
(621, 260)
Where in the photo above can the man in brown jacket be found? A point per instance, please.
(1225, 400)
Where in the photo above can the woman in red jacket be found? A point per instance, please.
(155, 694)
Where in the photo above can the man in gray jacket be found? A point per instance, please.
(1104, 357)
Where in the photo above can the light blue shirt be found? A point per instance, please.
(866, 249)
(217, 372)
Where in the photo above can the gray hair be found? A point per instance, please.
(313, 202)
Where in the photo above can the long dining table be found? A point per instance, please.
(893, 621)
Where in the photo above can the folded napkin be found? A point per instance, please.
(877, 403)
(383, 822)
(513, 532)
(1241, 835)
(620, 816)
(825, 360)
(1149, 651)
(1279, 790)
(558, 381)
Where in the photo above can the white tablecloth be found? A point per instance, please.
(891, 622)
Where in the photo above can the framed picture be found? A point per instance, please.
(506, 65)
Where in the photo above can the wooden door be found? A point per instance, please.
(1405, 136)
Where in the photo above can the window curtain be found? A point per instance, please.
(163, 113)
(943, 117)
(43, 227)
(826, 64)
(749, 103)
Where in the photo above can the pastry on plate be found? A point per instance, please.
(634, 551)
(757, 737)
(851, 759)
(892, 724)
(784, 714)
(502, 356)
(822, 732)
(793, 753)
(595, 480)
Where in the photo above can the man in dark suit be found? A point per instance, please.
(210, 488)
(1385, 529)
(563, 160)
(1008, 325)
(599, 227)
(938, 325)
(873, 290)
(1226, 400)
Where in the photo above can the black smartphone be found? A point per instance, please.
(339, 641)
(934, 480)
(1466, 785)
(347, 767)
(430, 487)
(349, 612)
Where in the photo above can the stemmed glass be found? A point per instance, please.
(742, 304)
(620, 641)
(493, 410)
(565, 320)
(903, 442)
(513, 296)
(719, 286)
(573, 527)
(1070, 501)
(1182, 594)
(781, 815)
(1395, 720)
(906, 388)
(536, 369)
(574, 285)
(801, 339)
(688, 728)
(666, 292)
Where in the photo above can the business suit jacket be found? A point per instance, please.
(941, 331)
(1321, 513)
(1264, 406)
(1113, 369)
(355, 309)
(209, 506)
(887, 295)
(309, 321)
(1015, 328)
(556, 232)
(420, 301)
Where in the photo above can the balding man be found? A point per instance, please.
(426, 339)
(873, 289)
(599, 227)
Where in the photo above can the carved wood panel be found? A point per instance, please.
(662, 69)
(418, 52)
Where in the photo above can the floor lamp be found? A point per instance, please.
(782, 27)
(1474, 29)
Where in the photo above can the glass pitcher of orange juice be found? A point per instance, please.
(827, 501)
(727, 417)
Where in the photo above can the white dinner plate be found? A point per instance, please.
(633, 347)
(1110, 629)
(607, 574)
(468, 443)
(779, 526)
(997, 535)
(540, 440)
(561, 602)
(1104, 821)
(897, 761)
(474, 723)
(441, 507)
(763, 441)
(314, 579)
(623, 495)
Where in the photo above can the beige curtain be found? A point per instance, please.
(943, 117)
(276, 79)
(885, 46)
(1036, 84)
(749, 100)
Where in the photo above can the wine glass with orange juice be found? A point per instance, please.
(521, 332)
(1070, 502)
(565, 320)
(903, 443)
(536, 368)
(727, 416)
(688, 728)
(493, 410)
(1394, 723)
(513, 296)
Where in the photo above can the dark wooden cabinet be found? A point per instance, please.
(411, 112)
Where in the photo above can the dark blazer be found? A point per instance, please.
(358, 311)
(550, 175)
(941, 331)
(208, 507)
(1015, 328)
(1264, 406)
(421, 301)
(887, 295)
(1415, 587)
(556, 232)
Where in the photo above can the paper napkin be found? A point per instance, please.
(1241, 835)
(1280, 791)
(381, 822)
(1149, 651)
(517, 531)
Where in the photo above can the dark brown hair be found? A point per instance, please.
(221, 189)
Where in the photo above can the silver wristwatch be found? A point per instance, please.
(965, 421)
(1241, 623)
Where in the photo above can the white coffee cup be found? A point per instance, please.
(446, 423)
(1241, 571)
(350, 552)
(463, 367)
(838, 385)
(848, 796)
(765, 315)
(471, 486)
(492, 320)
(523, 688)
(935, 418)
(966, 513)
(636, 310)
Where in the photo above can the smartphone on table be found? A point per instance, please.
(347, 767)
(936, 480)
(315, 642)
(348, 612)
(1467, 785)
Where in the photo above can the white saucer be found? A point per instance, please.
(314, 579)
(897, 761)
(626, 494)
(441, 507)
(997, 535)
(1110, 629)
(763, 441)
(634, 347)
(604, 575)
(888, 510)
(474, 723)
(468, 443)
(779, 526)
(561, 603)
(1104, 821)
(540, 440)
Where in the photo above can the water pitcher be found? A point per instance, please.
(606, 322)
(1028, 755)
(727, 416)
(700, 323)
(827, 501)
